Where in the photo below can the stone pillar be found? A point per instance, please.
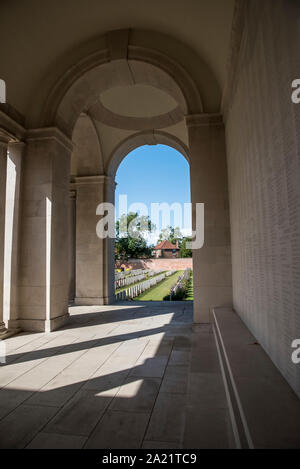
(211, 263)
(3, 172)
(109, 246)
(94, 256)
(44, 257)
(72, 247)
(12, 231)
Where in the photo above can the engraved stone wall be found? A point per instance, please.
(263, 150)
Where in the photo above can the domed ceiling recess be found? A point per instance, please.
(137, 101)
(137, 106)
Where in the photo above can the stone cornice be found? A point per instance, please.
(5, 137)
(12, 131)
(196, 120)
(11, 128)
(47, 133)
(98, 179)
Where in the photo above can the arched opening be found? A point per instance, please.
(124, 96)
(113, 108)
(124, 115)
(153, 225)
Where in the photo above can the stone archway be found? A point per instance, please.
(95, 184)
(124, 60)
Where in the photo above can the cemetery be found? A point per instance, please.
(150, 285)
(137, 287)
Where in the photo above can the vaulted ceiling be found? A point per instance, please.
(35, 34)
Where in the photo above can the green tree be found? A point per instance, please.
(130, 232)
(170, 234)
(184, 252)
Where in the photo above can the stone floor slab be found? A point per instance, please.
(136, 395)
(167, 420)
(80, 415)
(119, 430)
(19, 427)
(45, 440)
(175, 379)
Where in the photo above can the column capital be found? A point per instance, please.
(9, 123)
(3, 141)
(17, 143)
(97, 179)
(5, 137)
(50, 133)
(202, 120)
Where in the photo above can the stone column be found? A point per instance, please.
(72, 247)
(44, 257)
(211, 263)
(109, 246)
(3, 173)
(12, 231)
(94, 277)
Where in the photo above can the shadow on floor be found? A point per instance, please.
(120, 383)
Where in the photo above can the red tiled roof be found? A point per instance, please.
(165, 245)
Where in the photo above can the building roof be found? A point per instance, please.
(165, 245)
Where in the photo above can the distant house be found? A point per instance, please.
(166, 250)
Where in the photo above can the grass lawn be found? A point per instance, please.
(158, 292)
(190, 295)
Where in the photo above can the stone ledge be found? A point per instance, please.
(268, 409)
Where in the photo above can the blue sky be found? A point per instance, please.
(154, 174)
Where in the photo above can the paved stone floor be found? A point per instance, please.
(141, 375)
(114, 377)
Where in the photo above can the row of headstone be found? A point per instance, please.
(136, 290)
(127, 273)
(128, 281)
(179, 283)
(135, 278)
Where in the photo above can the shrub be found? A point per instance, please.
(180, 290)
(179, 295)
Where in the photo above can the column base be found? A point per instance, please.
(201, 314)
(2, 328)
(94, 301)
(41, 325)
(5, 333)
